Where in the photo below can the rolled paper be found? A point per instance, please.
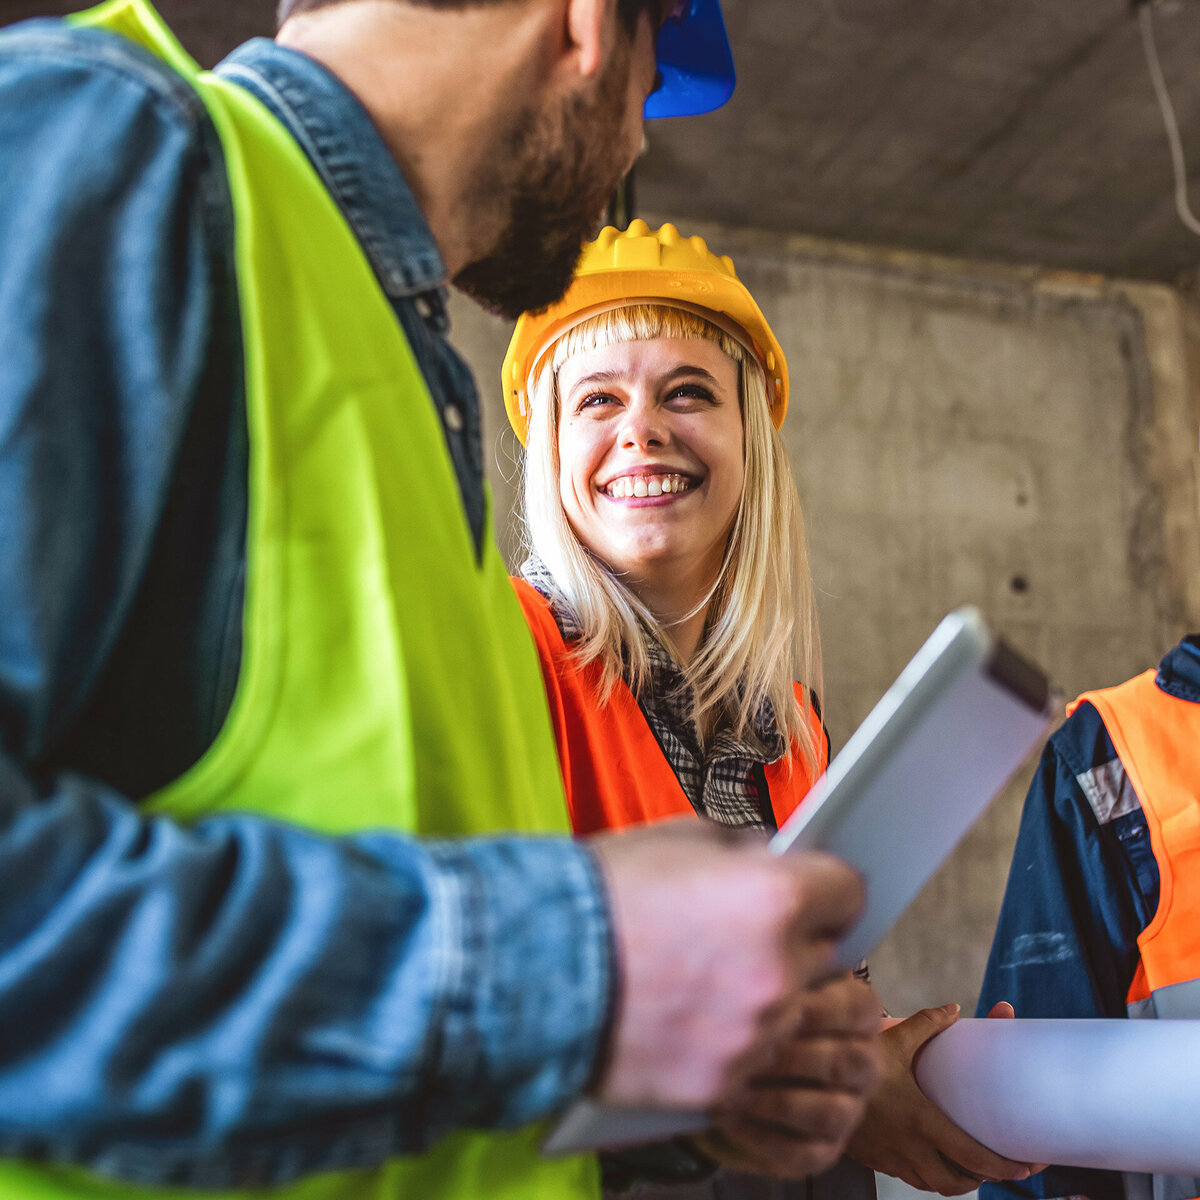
(1115, 1095)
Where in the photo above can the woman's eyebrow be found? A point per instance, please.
(596, 377)
(689, 369)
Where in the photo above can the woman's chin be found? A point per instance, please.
(644, 560)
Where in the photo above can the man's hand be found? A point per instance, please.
(795, 1116)
(717, 941)
(906, 1135)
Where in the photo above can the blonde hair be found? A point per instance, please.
(761, 629)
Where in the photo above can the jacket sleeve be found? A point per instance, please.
(1079, 892)
(238, 1000)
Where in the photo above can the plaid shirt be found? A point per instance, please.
(725, 781)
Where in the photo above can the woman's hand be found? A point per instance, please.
(793, 1118)
(906, 1135)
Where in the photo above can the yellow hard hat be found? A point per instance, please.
(643, 266)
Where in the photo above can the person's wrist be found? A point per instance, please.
(612, 973)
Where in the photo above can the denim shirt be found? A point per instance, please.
(1084, 884)
(236, 1001)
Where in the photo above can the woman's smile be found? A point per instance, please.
(649, 485)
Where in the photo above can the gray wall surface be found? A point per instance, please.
(962, 434)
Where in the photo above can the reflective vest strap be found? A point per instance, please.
(614, 771)
(787, 780)
(1178, 1001)
(1157, 738)
(1137, 999)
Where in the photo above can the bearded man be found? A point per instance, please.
(286, 896)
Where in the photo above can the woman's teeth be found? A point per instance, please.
(629, 486)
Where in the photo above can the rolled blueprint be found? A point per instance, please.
(1117, 1095)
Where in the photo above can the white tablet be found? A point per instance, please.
(915, 776)
(922, 767)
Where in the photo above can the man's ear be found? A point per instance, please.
(586, 28)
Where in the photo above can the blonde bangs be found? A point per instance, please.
(640, 323)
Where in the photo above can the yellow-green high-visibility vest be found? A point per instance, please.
(388, 677)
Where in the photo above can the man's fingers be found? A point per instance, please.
(843, 1064)
(761, 1148)
(830, 896)
(816, 1113)
(844, 1005)
(720, 944)
(796, 1118)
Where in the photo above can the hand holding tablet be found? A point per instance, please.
(915, 776)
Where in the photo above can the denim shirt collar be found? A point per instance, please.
(345, 148)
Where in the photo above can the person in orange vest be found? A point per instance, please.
(670, 597)
(1101, 917)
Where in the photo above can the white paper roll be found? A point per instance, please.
(1117, 1095)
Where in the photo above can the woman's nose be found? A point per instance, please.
(643, 428)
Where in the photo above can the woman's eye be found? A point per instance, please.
(691, 392)
(595, 400)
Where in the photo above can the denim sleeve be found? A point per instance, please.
(241, 1001)
(1065, 943)
(237, 1001)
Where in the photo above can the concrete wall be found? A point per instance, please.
(968, 435)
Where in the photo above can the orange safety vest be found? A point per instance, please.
(614, 770)
(1157, 738)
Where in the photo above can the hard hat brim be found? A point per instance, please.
(736, 313)
(695, 63)
(643, 266)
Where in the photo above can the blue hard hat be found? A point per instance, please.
(695, 63)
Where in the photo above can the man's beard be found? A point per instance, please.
(559, 174)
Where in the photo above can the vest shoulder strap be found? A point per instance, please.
(788, 779)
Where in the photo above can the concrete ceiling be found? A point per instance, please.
(1017, 130)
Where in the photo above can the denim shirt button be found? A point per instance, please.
(453, 417)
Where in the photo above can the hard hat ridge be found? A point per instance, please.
(638, 265)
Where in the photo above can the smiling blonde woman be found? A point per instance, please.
(668, 584)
